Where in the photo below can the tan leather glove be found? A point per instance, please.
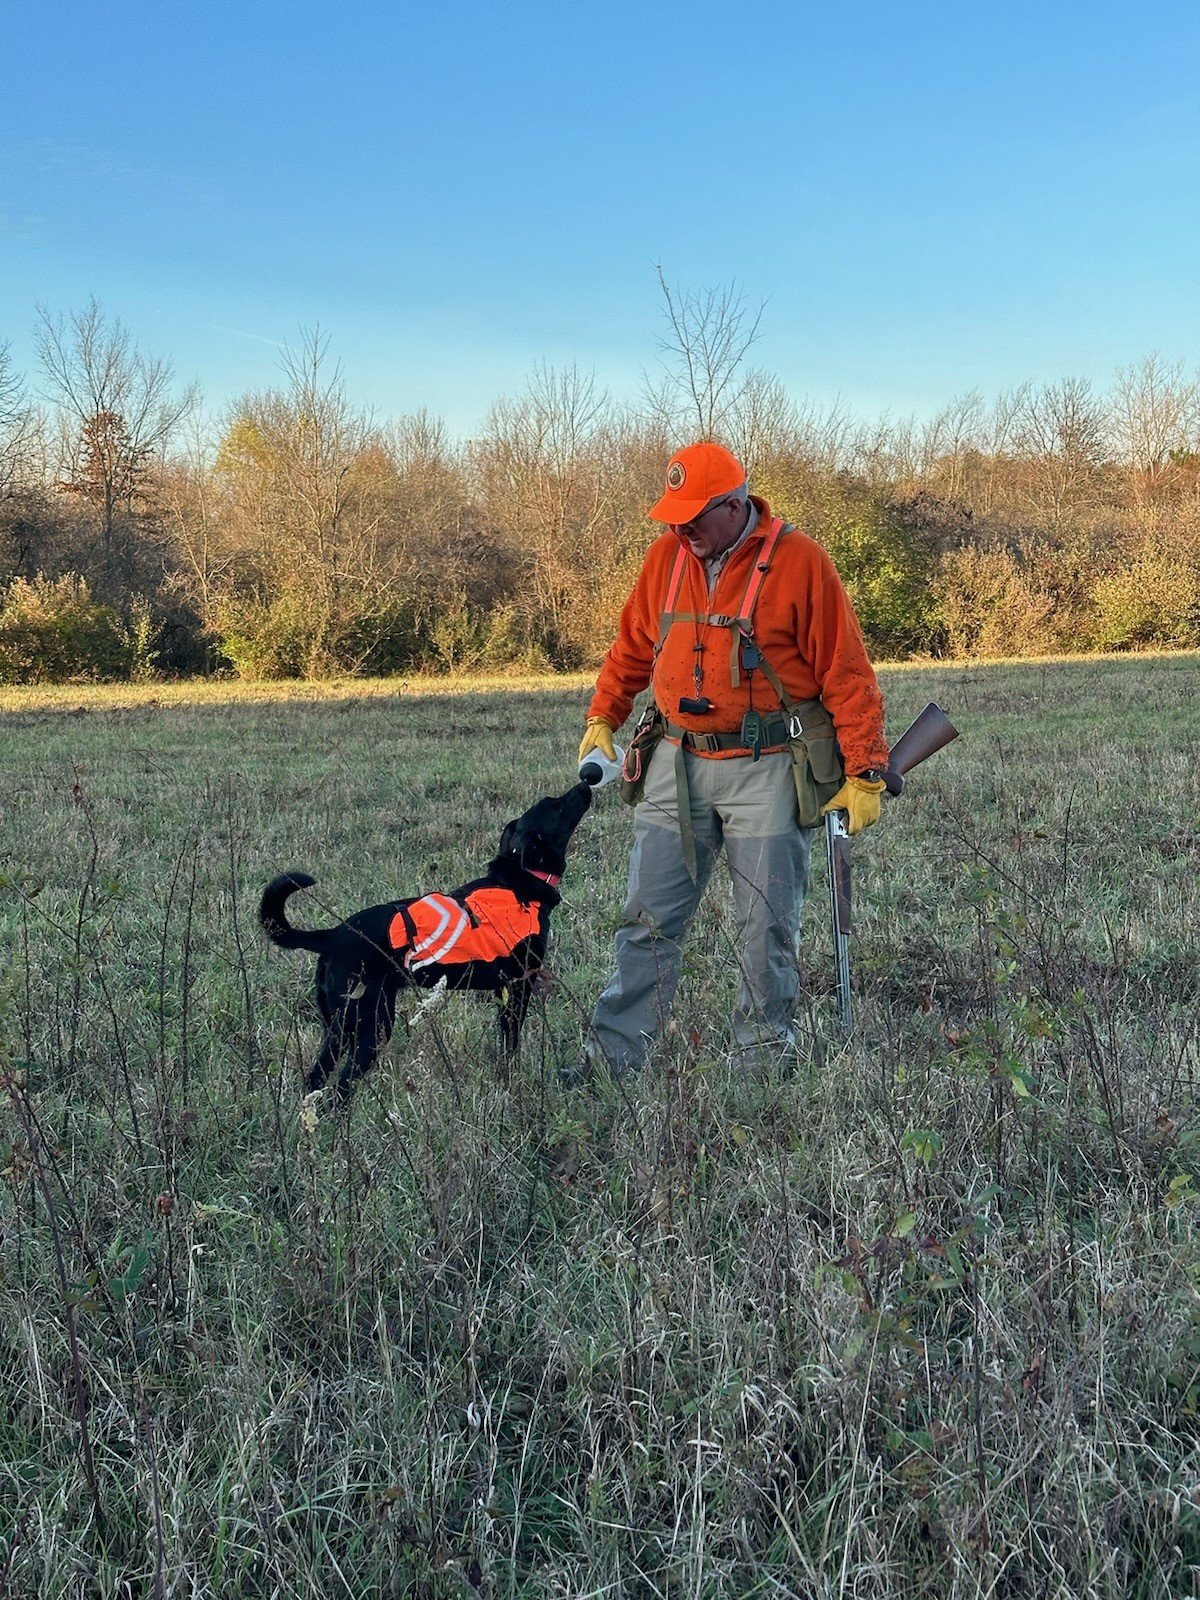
(859, 799)
(598, 735)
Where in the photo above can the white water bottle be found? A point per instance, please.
(597, 769)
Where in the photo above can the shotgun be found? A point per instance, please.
(924, 736)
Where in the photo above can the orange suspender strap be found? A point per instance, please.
(742, 626)
(667, 614)
(761, 567)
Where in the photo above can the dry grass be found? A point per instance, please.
(84, 697)
(918, 1318)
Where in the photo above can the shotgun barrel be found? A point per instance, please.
(837, 846)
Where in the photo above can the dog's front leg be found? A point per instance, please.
(514, 1003)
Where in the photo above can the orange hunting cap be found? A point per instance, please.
(695, 475)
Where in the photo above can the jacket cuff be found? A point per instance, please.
(611, 714)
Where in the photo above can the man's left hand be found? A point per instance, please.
(859, 799)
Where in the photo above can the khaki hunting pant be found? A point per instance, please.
(750, 808)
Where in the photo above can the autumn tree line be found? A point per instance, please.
(298, 536)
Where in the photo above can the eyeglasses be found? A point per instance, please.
(715, 506)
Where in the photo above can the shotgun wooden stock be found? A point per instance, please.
(926, 734)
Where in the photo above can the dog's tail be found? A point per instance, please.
(272, 914)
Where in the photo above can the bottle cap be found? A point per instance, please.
(598, 770)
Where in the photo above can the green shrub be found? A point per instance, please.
(293, 637)
(378, 635)
(1156, 601)
(52, 631)
(271, 639)
(466, 637)
(140, 633)
(887, 568)
(993, 601)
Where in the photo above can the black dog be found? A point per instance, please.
(489, 935)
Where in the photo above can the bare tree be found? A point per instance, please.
(29, 527)
(200, 536)
(710, 332)
(1155, 412)
(885, 452)
(308, 479)
(824, 437)
(1060, 430)
(946, 442)
(437, 548)
(988, 469)
(543, 482)
(18, 426)
(431, 512)
(764, 423)
(118, 407)
(318, 439)
(340, 526)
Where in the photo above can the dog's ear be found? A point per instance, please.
(508, 840)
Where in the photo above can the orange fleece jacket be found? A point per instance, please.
(804, 625)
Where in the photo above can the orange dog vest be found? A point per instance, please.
(485, 925)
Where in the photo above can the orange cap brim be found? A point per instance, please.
(675, 509)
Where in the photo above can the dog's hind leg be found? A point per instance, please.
(326, 993)
(343, 1031)
(326, 1064)
(368, 1027)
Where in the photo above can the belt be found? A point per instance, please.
(775, 732)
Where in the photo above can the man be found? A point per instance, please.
(741, 625)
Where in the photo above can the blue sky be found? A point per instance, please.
(930, 198)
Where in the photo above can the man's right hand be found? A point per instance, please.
(859, 799)
(598, 735)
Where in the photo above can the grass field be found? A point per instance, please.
(920, 1316)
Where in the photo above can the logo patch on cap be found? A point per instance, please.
(676, 473)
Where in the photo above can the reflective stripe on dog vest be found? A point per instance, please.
(485, 926)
